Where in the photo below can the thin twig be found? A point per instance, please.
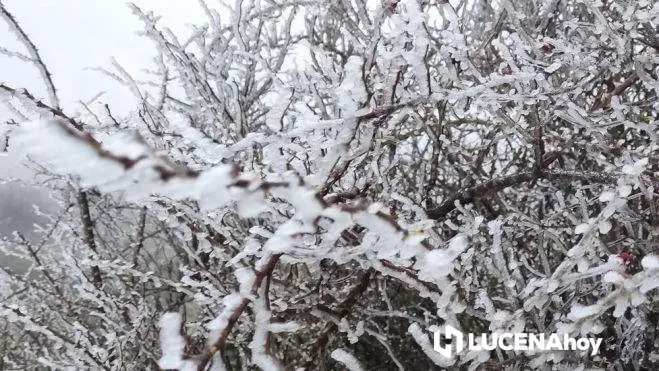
(34, 54)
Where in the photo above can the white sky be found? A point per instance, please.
(72, 35)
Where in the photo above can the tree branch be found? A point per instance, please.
(221, 340)
(35, 57)
(24, 94)
(478, 191)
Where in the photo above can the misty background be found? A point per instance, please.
(73, 37)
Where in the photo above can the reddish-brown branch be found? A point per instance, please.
(88, 233)
(478, 191)
(319, 348)
(221, 340)
(604, 100)
(41, 105)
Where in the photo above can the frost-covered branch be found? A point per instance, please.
(306, 183)
(35, 57)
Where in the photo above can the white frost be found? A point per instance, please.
(650, 263)
(347, 359)
(172, 343)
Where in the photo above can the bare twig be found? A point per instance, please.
(34, 54)
(55, 111)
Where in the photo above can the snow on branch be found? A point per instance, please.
(347, 359)
(125, 163)
(173, 343)
(35, 57)
(398, 165)
(31, 102)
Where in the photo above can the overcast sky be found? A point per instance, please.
(73, 35)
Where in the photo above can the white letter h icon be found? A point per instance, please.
(450, 332)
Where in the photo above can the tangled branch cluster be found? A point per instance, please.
(306, 184)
